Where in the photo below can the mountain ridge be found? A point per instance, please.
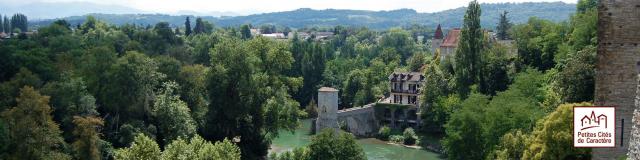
(307, 17)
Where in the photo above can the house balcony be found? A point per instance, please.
(405, 91)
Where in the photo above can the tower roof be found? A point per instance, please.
(438, 34)
(327, 89)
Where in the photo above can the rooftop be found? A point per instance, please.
(452, 38)
(327, 89)
(406, 76)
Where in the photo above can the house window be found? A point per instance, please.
(396, 86)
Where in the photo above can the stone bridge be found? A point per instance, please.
(360, 121)
(364, 120)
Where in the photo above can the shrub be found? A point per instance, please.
(409, 136)
(396, 139)
(384, 132)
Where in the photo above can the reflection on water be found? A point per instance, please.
(373, 148)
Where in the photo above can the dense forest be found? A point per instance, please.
(105, 91)
(377, 20)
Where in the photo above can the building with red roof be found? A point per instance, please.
(450, 43)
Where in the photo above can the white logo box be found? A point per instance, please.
(594, 126)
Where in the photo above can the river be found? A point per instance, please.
(374, 149)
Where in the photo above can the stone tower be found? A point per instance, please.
(437, 39)
(327, 109)
(618, 54)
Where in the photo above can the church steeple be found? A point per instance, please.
(438, 34)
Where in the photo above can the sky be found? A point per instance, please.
(260, 6)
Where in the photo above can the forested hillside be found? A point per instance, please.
(520, 13)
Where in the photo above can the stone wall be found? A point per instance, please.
(618, 54)
(361, 121)
(634, 142)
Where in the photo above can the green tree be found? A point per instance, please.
(584, 25)
(4, 139)
(353, 91)
(246, 80)
(333, 146)
(70, 98)
(437, 114)
(222, 150)
(301, 153)
(62, 22)
(199, 28)
(576, 81)
(86, 145)
(201, 45)
(11, 89)
(440, 82)
(128, 94)
(463, 138)
(97, 62)
(198, 148)
(514, 109)
(177, 31)
(245, 32)
(58, 28)
(169, 66)
(468, 59)
(89, 24)
(312, 66)
(139, 74)
(416, 62)
(165, 32)
(552, 137)
(511, 146)
(173, 115)
(401, 41)
(495, 70)
(31, 119)
(1, 24)
(286, 31)
(187, 26)
(142, 148)
(267, 29)
(202, 26)
(585, 5)
(19, 21)
(193, 91)
(538, 42)
(6, 25)
(503, 26)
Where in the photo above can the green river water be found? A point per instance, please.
(373, 148)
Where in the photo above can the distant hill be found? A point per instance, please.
(518, 13)
(45, 10)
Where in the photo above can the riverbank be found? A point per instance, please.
(374, 149)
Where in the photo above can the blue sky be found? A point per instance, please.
(258, 6)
